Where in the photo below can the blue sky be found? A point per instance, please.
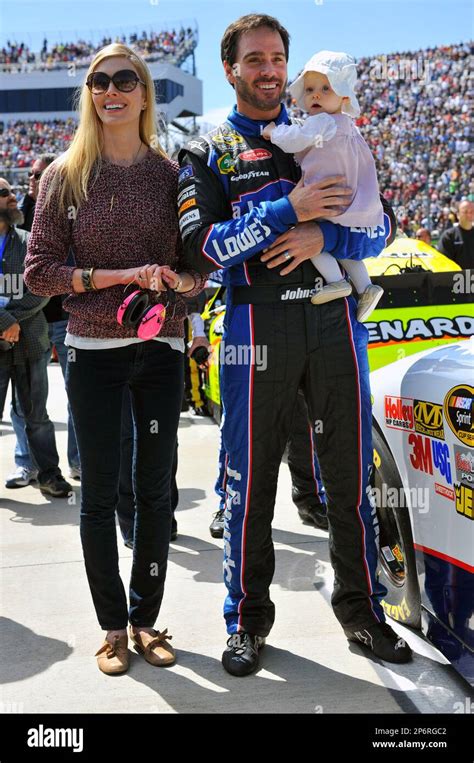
(361, 28)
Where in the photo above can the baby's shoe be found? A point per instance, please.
(368, 300)
(332, 291)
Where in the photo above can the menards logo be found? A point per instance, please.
(428, 418)
(391, 332)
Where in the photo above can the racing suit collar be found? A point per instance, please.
(247, 126)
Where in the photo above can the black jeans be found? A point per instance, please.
(95, 381)
(126, 502)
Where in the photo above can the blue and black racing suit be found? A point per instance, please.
(233, 203)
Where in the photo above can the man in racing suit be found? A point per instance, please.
(238, 202)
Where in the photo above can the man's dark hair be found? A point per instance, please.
(234, 31)
(46, 158)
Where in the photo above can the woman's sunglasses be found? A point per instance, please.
(125, 80)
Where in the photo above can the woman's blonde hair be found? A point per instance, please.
(73, 170)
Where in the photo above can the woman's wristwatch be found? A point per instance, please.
(87, 282)
(179, 284)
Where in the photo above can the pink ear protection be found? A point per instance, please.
(136, 313)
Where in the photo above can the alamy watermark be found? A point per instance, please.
(383, 68)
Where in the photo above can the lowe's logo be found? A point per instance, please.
(254, 234)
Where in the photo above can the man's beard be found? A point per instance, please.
(247, 94)
(12, 216)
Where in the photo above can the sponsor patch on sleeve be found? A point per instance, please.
(188, 218)
(185, 173)
(186, 204)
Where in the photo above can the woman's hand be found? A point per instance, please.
(170, 278)
(151, 277)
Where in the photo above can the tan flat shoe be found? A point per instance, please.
(155, 648)
(114, 658)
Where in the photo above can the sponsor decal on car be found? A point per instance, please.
(428, 418)
(464, 465)
(397, 553)
(377, 459)
(387, 332)
(226, 164)
(396, 611)
(464, 501)
(446, 492)
(430, 455)
(255, 155)
(458, 412)
(399, 412)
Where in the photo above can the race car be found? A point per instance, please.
(423, 437)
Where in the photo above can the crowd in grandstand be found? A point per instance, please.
(415, 116)
(21, 141)
(153, 46)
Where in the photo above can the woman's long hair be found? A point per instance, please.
(79, 165)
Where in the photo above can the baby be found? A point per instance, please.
(328, 143)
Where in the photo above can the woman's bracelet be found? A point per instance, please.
(180, 283)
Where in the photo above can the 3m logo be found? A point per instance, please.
(428, 418)
(420, 456)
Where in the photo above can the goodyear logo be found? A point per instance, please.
(458, 412)
(428, 418)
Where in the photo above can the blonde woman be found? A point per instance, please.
(112, 197)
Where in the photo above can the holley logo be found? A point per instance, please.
(255, 154)
(399, 412)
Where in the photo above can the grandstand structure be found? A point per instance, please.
(40, 89)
